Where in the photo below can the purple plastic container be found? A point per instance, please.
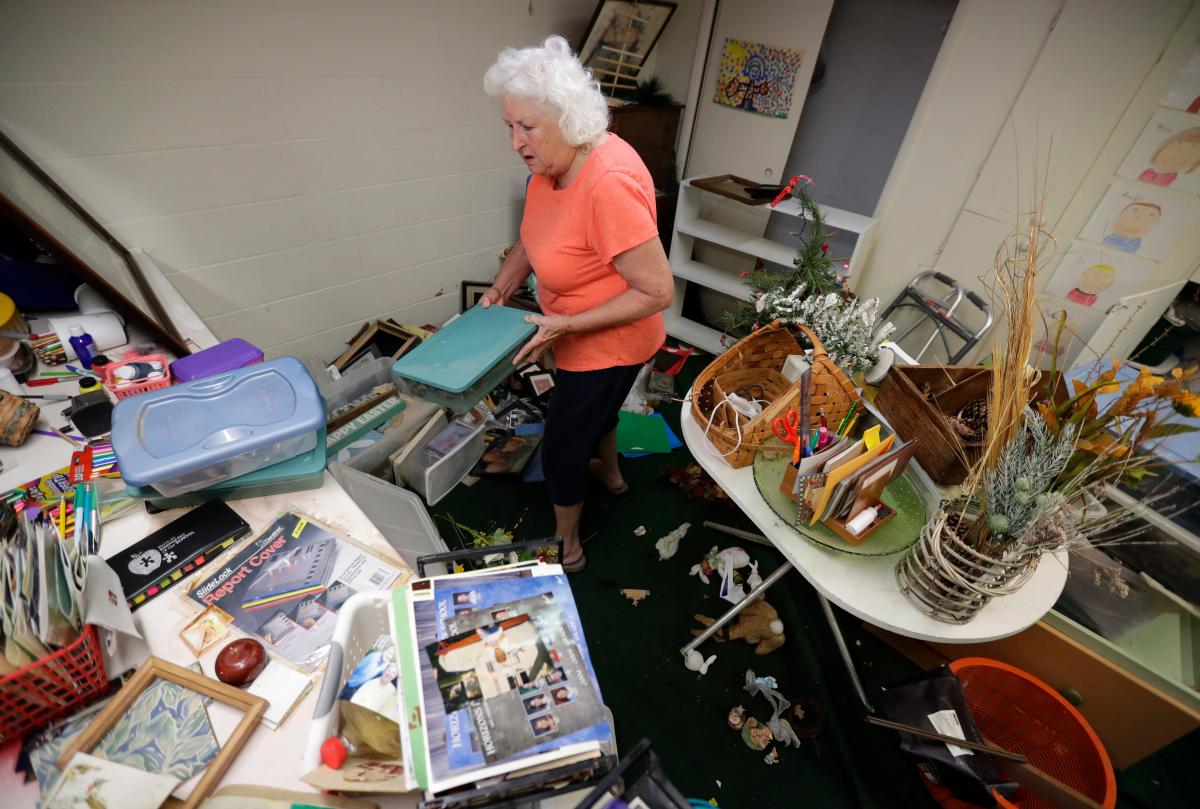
(233, 353)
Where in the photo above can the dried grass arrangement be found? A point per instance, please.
(1041, 480)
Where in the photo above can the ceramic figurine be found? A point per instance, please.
(736, 717)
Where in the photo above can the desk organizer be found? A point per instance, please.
(202, 433)
(123, 389)
(57, 685)
(466, 358)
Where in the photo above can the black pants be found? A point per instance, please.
(583, 409)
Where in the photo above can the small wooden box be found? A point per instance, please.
(940, 451)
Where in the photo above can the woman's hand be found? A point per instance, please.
(491, 297)
(550, 328)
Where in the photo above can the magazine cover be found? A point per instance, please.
(285, 586)
(518, 685)
(419, 625)
(403, 627)
(453, 738)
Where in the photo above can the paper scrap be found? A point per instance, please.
(282, 687)
(946, 723)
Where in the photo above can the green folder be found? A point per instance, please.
(638, 433)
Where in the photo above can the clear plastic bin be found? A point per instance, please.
(440, 465)
(397, 513)
(201, 433)
(353, 384)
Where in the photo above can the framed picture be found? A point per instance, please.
(618, 39)
(541, 384)
(472, 291)
(151, 672)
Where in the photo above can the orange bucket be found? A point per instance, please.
(1022, 714)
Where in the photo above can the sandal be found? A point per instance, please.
(594, 471)
(577, 566)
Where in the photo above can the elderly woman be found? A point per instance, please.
(590, 234)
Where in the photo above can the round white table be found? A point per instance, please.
(865, 586)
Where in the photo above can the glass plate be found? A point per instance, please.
(896, 535)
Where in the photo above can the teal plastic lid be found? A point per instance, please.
(459, 354)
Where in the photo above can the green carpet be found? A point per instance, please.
(651, 694)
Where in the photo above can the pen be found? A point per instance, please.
(846, 418)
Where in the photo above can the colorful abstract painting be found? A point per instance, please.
(757, 78)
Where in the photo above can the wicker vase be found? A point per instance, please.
(949, 580)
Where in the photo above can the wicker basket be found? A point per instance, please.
(950, 581)
(757, 361)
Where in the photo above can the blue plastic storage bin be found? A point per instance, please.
(201, 433)
(305, 471)
(466, 358)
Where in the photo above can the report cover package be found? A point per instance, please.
(286, 584)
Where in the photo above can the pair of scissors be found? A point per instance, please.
(786, 427)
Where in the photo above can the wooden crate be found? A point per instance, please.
(940, 450)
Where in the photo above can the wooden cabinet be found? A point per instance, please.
(652, 132)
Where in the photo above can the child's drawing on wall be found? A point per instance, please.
(1167, 153)
(1179, 153)
(1141, 220)
(1133, 222)
(1184, 93)
(1094, 279)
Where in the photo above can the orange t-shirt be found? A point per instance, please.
(572, 235)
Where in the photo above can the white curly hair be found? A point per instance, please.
(551, 75)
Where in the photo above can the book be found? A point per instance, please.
(272, 584)
(473, 717)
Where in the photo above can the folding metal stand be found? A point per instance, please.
(940, 312)
(525, 790)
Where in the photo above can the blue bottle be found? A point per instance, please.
(84, 345)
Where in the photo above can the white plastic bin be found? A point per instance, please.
(361, 620)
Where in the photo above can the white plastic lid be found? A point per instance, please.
(76, 331)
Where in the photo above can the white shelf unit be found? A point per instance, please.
(691, 227)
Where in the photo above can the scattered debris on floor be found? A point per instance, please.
(758, 624)
(669, 544)
(635, 596)
(694, 661)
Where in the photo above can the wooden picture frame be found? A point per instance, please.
(472, 291)
(619, 37)
(155, 668)
(387, 337)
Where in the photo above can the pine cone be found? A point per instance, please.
(974, 417)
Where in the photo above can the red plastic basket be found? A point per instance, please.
(47, 689)
(1022, 714)
(123, 390)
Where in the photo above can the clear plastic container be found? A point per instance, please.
(301, 473)
(436, 468)
(397, 513)
(201, 433)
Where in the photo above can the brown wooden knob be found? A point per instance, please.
(240, 662)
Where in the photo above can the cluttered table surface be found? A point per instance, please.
(271, 757)
(865, 585)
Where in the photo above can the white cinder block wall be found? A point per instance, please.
(295, 166)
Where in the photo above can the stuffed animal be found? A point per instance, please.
(758, 624)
